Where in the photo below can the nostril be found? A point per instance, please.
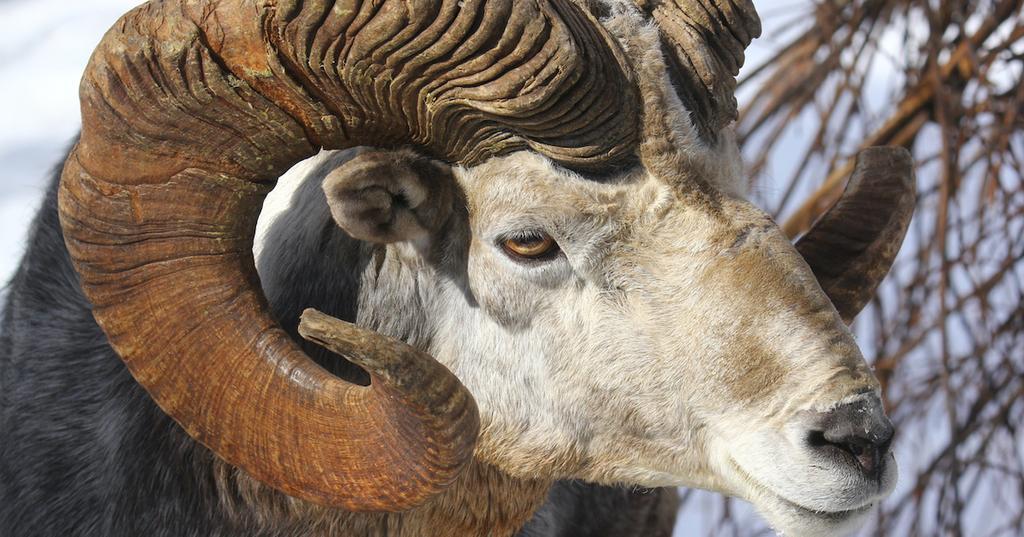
(817, 439)
(857, 432)
(867, 455)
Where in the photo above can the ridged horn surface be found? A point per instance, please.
(192, 108)
(704, 43)
(852, 247)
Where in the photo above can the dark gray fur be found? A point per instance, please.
(85, 452)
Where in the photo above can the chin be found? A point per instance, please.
(791, 520)
(835, 512)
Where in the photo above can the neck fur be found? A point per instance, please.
(482, 501)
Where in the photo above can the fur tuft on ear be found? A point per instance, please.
(390, 196)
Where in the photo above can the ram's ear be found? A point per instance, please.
(390, 196)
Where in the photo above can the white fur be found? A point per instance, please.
(660, 349)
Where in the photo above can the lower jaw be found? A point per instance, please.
(837, 516)
(796, 521)
(787, 509)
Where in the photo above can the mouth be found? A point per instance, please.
(834, 516)
(792, 518)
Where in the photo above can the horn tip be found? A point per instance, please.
(880, 165)
(895, 158)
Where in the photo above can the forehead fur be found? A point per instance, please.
(508, 184)
(590, 219)
(671, 144)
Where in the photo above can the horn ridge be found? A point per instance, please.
(192, 108)
(704, 41)
(852, 246)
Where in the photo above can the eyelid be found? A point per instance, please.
(524, 234)
(549, 246)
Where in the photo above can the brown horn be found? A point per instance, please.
(192, 109)
(852, 247)
(703, 41)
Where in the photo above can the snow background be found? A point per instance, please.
(44, 47)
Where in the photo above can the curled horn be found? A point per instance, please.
(853, 245)
(192, 108)
(703, 42)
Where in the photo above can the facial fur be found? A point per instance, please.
(677, 339)
(669, 343)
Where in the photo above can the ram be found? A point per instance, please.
(537, 271)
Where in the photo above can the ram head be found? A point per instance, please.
(558, 207)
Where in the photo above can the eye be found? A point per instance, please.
(530, 245)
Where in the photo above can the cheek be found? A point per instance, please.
(504, 297)
(654, 363)
(614, 360)
(524, 431)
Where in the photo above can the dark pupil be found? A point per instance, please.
(531, 241)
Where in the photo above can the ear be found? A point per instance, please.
(390, 196)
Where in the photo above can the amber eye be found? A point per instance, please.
(532, 246)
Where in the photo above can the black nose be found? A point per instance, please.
(858, 432)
